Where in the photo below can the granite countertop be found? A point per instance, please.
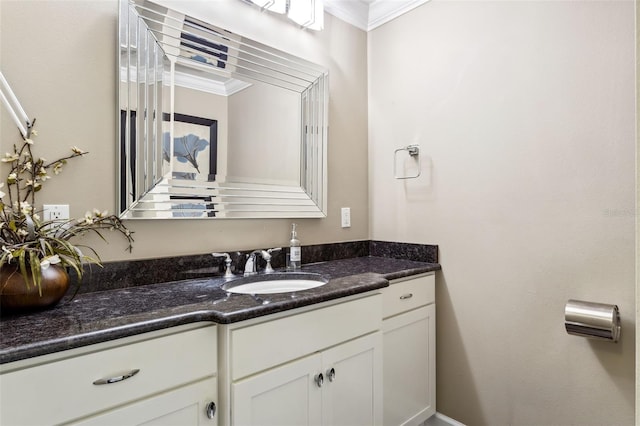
(106, 315)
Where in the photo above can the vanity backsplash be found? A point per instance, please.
(123, 274)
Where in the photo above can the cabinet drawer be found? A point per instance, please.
(261, 346)
(402, 296)
(185, 406)
(64, 390)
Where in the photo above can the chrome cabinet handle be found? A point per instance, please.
(211, 409)
(406, 296)
(319, 380)
(116, 379)
(331, 374)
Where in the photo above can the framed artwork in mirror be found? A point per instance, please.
(191, 206)
(195, 147)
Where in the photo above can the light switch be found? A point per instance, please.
(346, 217)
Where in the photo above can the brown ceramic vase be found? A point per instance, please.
(15, 296)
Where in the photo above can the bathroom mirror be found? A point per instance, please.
(215, 125)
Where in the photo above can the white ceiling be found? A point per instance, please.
(369, 14)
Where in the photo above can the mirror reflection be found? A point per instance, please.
(213, 124)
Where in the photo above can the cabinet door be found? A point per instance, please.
(283, 396)
(352, 391)
(183, 406)
(409, 367)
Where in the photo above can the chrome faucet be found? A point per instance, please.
(251, 265)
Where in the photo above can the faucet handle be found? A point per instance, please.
(227, 262)
(268, 269)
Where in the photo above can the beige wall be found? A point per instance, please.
(60, 58)
(525, 115)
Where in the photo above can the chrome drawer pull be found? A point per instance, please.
(319, 379)
(116, 379)
(406, 296)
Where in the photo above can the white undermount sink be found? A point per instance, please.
(275, 283)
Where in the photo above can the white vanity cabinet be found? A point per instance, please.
(157, 378)
(366, 359)
(320, 367)
(409, 350)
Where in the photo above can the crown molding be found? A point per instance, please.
(369, 14)
(354, 12)
(383, 11)
(206, 84)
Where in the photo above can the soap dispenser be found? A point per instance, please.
(295, 251)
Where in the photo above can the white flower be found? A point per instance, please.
(28, 141)
(100, 214)
(2, 194)
(12, 178)
(25, 207)
(34, 132)
(10, 158)
(57, 168)
(88, 218)
(49, 260)
(36, 216)
(77, 150)
(22, 232)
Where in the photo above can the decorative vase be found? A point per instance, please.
(15, 296)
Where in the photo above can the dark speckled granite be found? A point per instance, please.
(335, 251)
(111, 314)
(417, 252)
(115, 275)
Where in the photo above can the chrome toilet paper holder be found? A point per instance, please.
(592, 320)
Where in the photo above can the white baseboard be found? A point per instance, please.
(441, 419)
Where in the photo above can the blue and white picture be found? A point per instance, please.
(185, 148)
(194, 147)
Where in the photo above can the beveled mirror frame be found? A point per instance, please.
(152, 41)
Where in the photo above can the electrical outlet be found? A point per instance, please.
(345, 214)
(55, 211)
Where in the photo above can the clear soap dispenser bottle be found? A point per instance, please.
(295, 251)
